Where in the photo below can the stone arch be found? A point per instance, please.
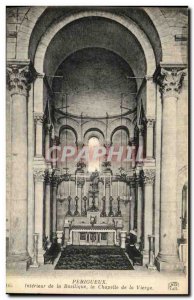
(71, 122)
(94, 124)
(67, 127)
(116, 123)
(25, 30)
(127, 23)
(164, 32)
(121, 127)
(81, 48)
(34, 13)
(94, 132)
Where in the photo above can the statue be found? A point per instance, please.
(95, 180)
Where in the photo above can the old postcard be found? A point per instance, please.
(97, 150)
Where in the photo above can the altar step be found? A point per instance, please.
(93, 258)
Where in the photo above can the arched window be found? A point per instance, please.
(93, 164)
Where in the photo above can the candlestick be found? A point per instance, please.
(76, 185)
(118, 192)
(69, 188)
(85, 187)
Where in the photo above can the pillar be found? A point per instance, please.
(140, 154)
(54, 207)
(149, 176)
(133, 152)
(18, 82)
(170, 79)
(48, 179)
(139, 210)
(132, 204)
(55, 143)
(48, 128)
(39, 177)
(150, 138)
(38, 119)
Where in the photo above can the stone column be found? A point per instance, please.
(55, 142)
(48, 179)
(150, 138)
(170, 79)
(39, 176)
(149, 176)
(54, 207)
(48, 128)
(38, 119)
(139, 210)
(141, 144)
(133, 152)
(132, 204)
(19, 76)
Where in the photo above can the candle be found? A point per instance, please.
(118, 192)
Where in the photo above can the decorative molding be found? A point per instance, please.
(39, 175)
(149, 176)
(38, 117)
(48, 176)
(170, 79)
(63, 177)
(150, 122)
(81, 166)
(19, 77)
(54, 180)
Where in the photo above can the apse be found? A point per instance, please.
(95, 82)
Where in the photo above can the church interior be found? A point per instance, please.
(97, 77)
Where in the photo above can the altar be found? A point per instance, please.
(97, 235)
(91, 230)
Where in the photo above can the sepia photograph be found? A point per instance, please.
(97, 150)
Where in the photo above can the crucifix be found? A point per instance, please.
(94, 195)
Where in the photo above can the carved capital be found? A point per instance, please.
(170, 79)
(149, 176)
(38, 117)
(48, 176)
(150, 122)
(39, 175)
(19, 77)
(54, 180)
